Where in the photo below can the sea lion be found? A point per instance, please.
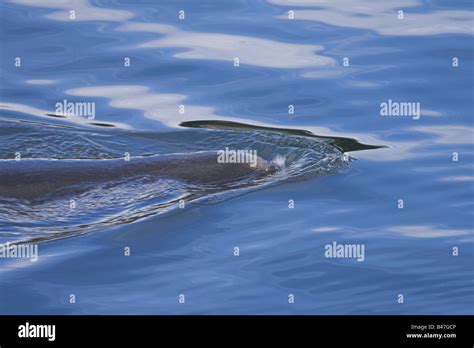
(32, 179)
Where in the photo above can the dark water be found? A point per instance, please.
(342, 167)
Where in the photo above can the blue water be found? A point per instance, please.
(338, 192)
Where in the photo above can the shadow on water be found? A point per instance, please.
(343, 144)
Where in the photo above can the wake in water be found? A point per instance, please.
(67, 181)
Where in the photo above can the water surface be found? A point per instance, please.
(343, 167)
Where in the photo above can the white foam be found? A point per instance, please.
(279, 161)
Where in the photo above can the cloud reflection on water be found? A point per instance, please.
(83, 10)
(226, 47)
(381, 16)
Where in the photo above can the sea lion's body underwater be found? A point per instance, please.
(32, 179)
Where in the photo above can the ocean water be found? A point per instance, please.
(303, 83)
